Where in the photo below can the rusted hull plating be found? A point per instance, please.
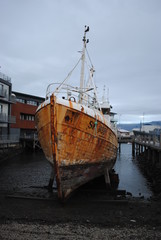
(79, 146)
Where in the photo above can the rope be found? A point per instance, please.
(59, 87)
(69, 74)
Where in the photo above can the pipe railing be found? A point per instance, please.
(9, 138)
(150, 139)
(68, 91)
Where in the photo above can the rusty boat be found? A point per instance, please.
(77, 136)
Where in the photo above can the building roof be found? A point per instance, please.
(123, 131)
(27, 96)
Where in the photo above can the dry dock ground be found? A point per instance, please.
(84, 216)
(28, 211)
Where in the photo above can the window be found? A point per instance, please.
(2, 91)
(1, 108)
(22, 116)
(1, 87)
(27, 117)
(32, 102)
(20, 100)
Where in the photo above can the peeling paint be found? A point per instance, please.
(83, 144)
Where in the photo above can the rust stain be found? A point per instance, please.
(82, 108)
(42, 119)
(79, 151)
(53, 114)
(76, 133)
(70, 104)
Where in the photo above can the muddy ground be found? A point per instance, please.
(29, 211)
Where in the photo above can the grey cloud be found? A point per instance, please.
(40, 41)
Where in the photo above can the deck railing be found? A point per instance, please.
(85, 96)
(3, 93)
(5, 77)
(9, 139)
(30, 136)
(147, 139)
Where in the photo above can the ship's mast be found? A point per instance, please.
(83, 63)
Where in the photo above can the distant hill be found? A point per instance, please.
(156, 123)
(130, 126)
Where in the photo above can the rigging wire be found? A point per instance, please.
(89, 57)
(69, 74)
(60, 85)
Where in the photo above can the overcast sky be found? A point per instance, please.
(40, 40)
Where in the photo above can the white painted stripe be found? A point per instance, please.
(76, 106)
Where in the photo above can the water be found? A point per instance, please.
(130, 175)
(23, 171)
(32, 169)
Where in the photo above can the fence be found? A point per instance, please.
(5, 139)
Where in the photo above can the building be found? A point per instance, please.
(123, 133)
(6, 99)
(24, 109)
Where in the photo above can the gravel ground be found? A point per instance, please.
(19, 231)
(79, 219)
(28, 211)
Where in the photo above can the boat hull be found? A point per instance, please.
(78, 142)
